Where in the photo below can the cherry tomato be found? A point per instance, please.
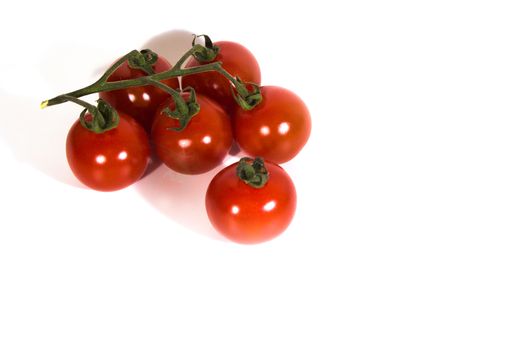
(276, 129)
(201, 146)
(111, 160)
(237, 60)
(140, 102)
(245, 214)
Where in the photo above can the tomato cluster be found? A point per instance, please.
(250, 201)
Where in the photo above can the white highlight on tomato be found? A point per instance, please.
(184, 143)
(284, 127)
(206, 139)
(132, 97)
(100, 159)
(145, 96)
(235, 210)
(123, 155)
(269, 206)
(265, 130)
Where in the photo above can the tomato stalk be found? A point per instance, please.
(101, 118)
(203, 54)
(103, 85)
(252, 172)
(247, 94)
(182, 108)
(143, 61)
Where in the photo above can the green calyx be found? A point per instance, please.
(253, 172)
(143, 60)
(184, 110)
(206, 53)
(247, 95)
(101, 118)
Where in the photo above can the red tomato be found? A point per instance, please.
(111, 160)
(237, 60)
(140, 102)
(245, 214)
(201, 146)
(276, 129)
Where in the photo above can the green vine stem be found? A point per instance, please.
(101, 118)
(203, 54)
(102, 84)
(175, 95)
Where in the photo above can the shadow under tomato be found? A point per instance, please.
(180, 197)
(37, 137)
(171, 45)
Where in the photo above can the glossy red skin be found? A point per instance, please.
(237, 210)
(237, 60)
(98, 161)
(201, 146)
(146, 98)
(276, 129)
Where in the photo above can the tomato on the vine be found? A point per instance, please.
(276, 129)
(237, 60)
(140, 102)
(246, 214)
(200, 146)
(110, 160)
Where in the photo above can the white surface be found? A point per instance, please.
(410, 224)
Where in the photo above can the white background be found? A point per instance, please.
(409, 231)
